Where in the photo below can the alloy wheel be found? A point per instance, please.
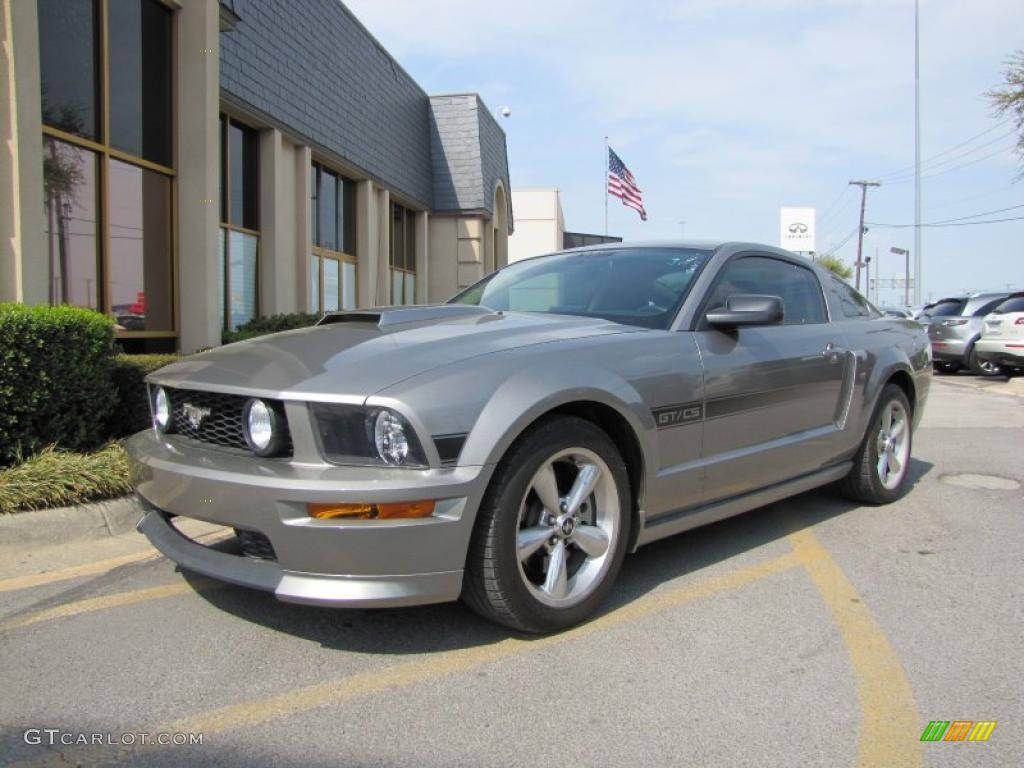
(893, 444)
(569, 523)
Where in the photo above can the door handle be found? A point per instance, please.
(832, 352)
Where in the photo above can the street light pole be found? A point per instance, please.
(917, 158)
(906, 274)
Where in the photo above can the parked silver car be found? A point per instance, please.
(954, 325)
(511, 446)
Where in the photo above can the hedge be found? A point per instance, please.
(129, 373)
(56, 382)
(261, 326)
(55, 478)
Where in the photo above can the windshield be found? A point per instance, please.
(635, 286)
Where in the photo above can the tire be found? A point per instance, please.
(982, 367)
(527, 594)
(946, 368)
(865, 483)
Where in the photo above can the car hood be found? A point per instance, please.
(349, 356)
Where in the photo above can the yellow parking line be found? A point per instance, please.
(99, 566)
(890, 723)
(74, 572)
(110, 601)
(432, 666)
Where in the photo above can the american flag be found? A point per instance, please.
(622, 184)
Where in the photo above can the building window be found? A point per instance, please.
(108, 168)
(403, 255)
(239, 215)
(333, 240)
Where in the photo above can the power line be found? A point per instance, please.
(979, 215)
(954, 158)
(977, 160)
(955, 147)
(939, 225)
(949, 203)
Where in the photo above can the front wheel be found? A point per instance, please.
(882, 464)
(552, 529)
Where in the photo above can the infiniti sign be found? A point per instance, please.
(796, 229)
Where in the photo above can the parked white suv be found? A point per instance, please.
(1002, 336)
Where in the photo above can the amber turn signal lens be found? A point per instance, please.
(398, 511)
(405, 509)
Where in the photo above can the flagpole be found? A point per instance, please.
(606, 186)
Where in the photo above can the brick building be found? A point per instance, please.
(186, 165)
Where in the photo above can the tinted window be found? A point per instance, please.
(242, 163)
(140, 79)
(851, 302)
(635, 286)
(944, 308)
(987, 307)
(1011, 305)
(69, 65)
(795, 285)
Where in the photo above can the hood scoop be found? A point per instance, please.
(388, 317)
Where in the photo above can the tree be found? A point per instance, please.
(1008, 99)
(835, 265)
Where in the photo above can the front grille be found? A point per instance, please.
(213, 417)
(255, 545)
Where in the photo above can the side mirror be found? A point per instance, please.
(747, 309)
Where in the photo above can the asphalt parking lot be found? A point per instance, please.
(810, 632)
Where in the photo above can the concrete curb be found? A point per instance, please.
(45, 527)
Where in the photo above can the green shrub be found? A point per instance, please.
(55, 478)
(261, 326)
(129, 374)
(55, 378)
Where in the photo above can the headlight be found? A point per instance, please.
(264, 428)
(389, 437)
(161, 410)
(350, 434)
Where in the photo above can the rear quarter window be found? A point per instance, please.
(853, 305)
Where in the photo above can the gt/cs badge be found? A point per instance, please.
(677, 415)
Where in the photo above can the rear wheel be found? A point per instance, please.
(552, 530)
(880, 469)
(946, 367)
(983, 367)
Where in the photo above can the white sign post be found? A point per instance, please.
(796, 230)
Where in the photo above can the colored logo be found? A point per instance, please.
(958, 730)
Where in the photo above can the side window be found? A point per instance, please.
(797, 287)
(852, 303)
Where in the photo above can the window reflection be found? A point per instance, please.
(242, 278)
(70, 189)
(140, 242)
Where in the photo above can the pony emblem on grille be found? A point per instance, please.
(194, 415)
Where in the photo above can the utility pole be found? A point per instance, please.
(860, 231)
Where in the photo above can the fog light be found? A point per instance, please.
(397, 511)
(264, 430)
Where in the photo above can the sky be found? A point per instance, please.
(726, 110)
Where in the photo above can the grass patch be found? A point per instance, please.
(54, 478)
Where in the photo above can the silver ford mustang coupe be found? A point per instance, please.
(511, 446)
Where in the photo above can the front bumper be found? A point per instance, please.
(358, 563)
(1001, 352)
